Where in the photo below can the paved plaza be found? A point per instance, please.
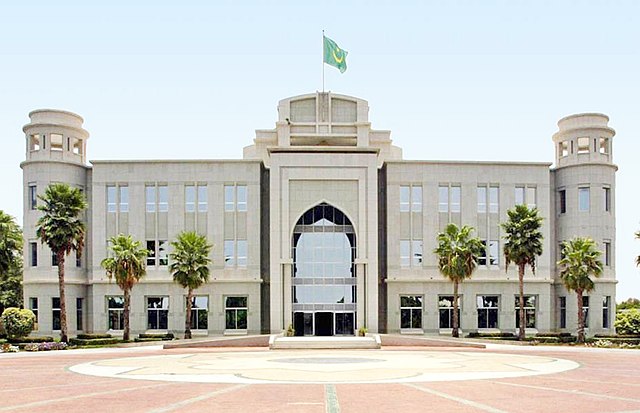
(500, 378)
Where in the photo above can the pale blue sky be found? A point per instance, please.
(489, 79)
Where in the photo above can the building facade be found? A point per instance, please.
(322, 226)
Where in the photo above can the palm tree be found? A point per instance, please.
(10, 262)
(10, 242)
(457, 259)
(127, 266)
(62, 229)
(190, 267)
(523, 244)
(581, 259)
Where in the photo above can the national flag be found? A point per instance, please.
(334, 55)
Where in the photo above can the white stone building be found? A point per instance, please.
(322, 226)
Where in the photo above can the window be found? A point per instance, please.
(33, 306)
(482, 259)
(519, 195)
(76, 146)
(111, 198)
(604, 146)
(33, 197)
(607, 253)
(487, 311)
(163, 198)
(583, 145)
(242, 197)
(34, 142)
(531, 197)
(124, 199)
(229, 198)
(235, 313)
(235, 198)
(494, 199)
(56, 141)
(583, 199)
(410, 253)
(445, 309)
(235, 253)
(150, 196)
(199, 312)
(229, 253)
(33, 254)
(443, 199)
(493, 253)
(190, 198)
(529, 311)
(157, 256)
(405, 198)
(563, 201)
(606, 195)
(411, 198)
(79, 314)
(242, 253)
(585, 310)
(448, 198)
(202, 198)
(410, 311)
(54, 259)
(563, 312)
(55, 313)
(157, 313)
(416, 253)
(482, 199)
(78, 260)
(563, 149)
(455, 199)
(416, 198)
(115, 312)
(606, 310)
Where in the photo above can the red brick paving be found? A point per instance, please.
(607, 381)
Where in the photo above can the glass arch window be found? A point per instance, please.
(324, 251)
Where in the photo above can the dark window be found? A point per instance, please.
(115, 310)
(54, 259)
(33, 197)
(410, 311)
(445, 309)
(33, 306)
(563, 312)
(606, 309)
(79, 314)
(157, 313)
(55, 313)
(563, 201)
(199, 313)
(33, 254)
(487, 311)
(585, 310)
(529, 311)
(236, 313)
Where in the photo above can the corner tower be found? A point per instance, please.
(55, 146)
(584, 183)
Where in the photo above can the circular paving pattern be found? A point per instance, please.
(374, 366)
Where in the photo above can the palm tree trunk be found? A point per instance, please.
(187, 323)
(580, 317)
(521, 312)
(127, 311)
(454, 331)
(63, 303)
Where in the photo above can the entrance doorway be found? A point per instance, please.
(324, 278)
(323, 323)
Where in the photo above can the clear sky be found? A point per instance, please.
(489, 79)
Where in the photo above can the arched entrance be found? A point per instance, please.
(324, 282)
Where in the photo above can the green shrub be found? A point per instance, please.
(160, 336)
(18, 323)
(93, 336)
(81, 342)
(553, 334)
(476, 334)
(628, 322)
(39, 339)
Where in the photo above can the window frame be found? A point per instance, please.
(235, 310)
(115, 313)
(488, 311)
(412, 311)
(582, 190)
(162, 313)
(448, 310)
(195, 319)
(530, 312)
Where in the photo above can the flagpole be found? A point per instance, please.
(322, 60)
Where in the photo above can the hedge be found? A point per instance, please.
(93, 336)
(23, 340)
(80, 342)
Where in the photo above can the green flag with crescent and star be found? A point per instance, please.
(334, 55)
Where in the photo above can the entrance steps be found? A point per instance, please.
(279, 342)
